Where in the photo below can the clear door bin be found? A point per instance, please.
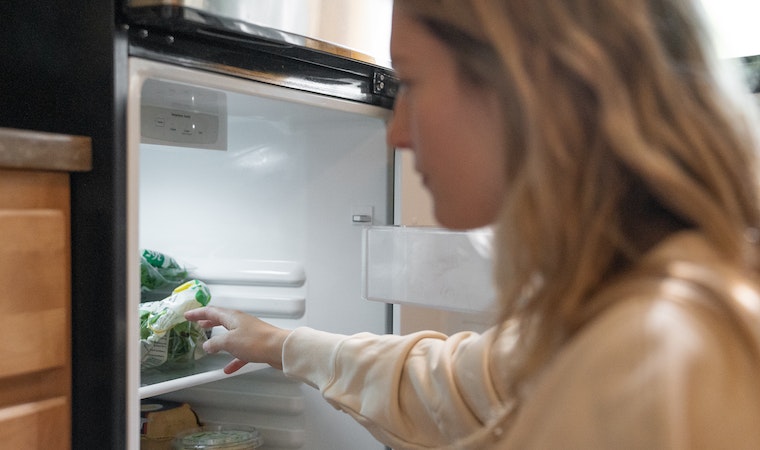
(432, 267)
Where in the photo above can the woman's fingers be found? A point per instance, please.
(210, 316)
(216, 344)
(248, 337)
(234, 366)
(205, 324)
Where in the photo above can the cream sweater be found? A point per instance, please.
(655, 371)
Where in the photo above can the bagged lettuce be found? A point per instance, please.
(166, 337)
(159, 271)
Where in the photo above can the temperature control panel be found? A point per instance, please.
(182, 115)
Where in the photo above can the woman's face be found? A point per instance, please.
(454, 128)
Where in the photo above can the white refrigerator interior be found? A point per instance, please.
(263, 192)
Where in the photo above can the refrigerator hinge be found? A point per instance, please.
(385, 84)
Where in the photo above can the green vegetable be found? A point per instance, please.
(184, 340)
(165, 335)
(159, 271)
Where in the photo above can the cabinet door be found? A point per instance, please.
(35, 373)
(35, 290)
(35, 426)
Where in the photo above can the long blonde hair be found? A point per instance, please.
(619, 134)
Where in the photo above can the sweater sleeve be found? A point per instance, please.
(648, 374)
(423, 390)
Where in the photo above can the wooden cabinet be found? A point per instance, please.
(35, 286)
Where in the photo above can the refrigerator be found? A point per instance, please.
(256, 158)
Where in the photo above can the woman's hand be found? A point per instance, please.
(249, 339)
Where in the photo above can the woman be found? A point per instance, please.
(596, 137)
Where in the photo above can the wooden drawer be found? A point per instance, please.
(36, 426)
(25, 189)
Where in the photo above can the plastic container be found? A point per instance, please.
(430, 267)
(213, 437)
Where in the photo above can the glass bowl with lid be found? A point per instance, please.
(218, 437)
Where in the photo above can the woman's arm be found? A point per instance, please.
(423, 390)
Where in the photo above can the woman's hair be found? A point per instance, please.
(619, 133)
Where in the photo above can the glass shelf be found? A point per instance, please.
(205, 370)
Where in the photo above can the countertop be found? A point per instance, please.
(36, 150)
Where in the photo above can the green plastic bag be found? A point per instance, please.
(160, 272)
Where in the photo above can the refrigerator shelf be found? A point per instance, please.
(207, 369)
(249, 272)
(252, 300)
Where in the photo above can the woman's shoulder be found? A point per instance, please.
(681, 296)
(670, 362)
(686, 286)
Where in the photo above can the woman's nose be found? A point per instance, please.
(397, 133)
